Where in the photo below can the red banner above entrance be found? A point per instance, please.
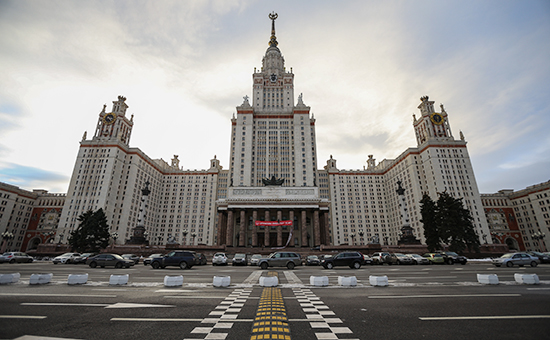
(273, 223)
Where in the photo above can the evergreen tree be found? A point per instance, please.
(92, 233)
(447, 221)
(428, 210)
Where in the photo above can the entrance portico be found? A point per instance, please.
(306, 212)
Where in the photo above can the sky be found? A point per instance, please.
(361, 66)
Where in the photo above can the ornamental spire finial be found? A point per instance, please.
(273, 39)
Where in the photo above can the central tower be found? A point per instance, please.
(273, 137)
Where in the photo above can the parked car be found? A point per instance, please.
(352, 259)
(451, 257)
(219, 259)
(201, 259)
(105, 260)
(544, 258)
(13, 257)
(239, 260)
(132, 257)
(520, 259)
(254, 259)
(312, 260)
(83, 258)
(381, 258)
(403, 259)
(434, 258)
(65, 258)
(281, 259)
(417, 259)
(149, 258)
(184, 259)
(368, 260)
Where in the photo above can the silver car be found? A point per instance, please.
(65, 258)
(219, 259)
(13, 257)
(520, 259)
(417, 259)
(281, 259)
(254, 259)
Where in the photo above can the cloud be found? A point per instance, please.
(32, 178)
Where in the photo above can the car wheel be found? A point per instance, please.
(183, 265)
(356, 265)
(93, 264)
(509, 264)
(290, 265)
(155, 265)
(398, 262)
(264, 265)
(118, 265)
(497, 265)
(12, 261)
(330, 265)
(450, 261)
(533, 264)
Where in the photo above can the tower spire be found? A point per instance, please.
(273, 40)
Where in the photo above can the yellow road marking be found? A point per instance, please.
(271, 321)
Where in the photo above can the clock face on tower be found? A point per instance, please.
(436, 118)
(109, 118)
(273, 78)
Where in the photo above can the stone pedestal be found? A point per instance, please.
(378, 280)
(347, 280)
(40, 279)
(221, 281)
(488, 279)
(77, 279)
(173, 280)
(318, 281)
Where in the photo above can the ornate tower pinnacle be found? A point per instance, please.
(273, 40)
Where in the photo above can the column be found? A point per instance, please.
(303, 229)
(316, 228)
(242, 230)
(254, 228)
(291, 230)
(279, 229)
(327, 229)
(221, 227)
(229, 236)
(266, 229)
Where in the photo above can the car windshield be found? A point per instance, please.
(118, 257)
(505, 256)
(452, 253)
(313, 257)
(256, 256)
(437, 255)
(240, 256)
(219, 254)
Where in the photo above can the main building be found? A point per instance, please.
(275, 192)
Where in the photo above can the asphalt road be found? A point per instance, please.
(421, 302)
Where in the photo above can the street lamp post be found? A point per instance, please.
(193, 235)
(352, 235)
(185, 232)
(160, 239)
(361, 233)
(114, 236)
(539, 236)
(6, 236)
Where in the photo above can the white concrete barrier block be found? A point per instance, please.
(173, 280)
(347, 280)
(77, 279)
(318, 281)
(528, 279)
(488, 279)
(119, 279)
(221, 281)
(269, 281)
(40, 279)
(378, 280)
(9, 278)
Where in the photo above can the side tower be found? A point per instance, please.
(114, 125)
(431, 125)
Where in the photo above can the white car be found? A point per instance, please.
(219, 259)
(255, 259)
(65, 258)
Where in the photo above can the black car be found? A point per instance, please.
(184, 259)
(352, 259)
(451, 257)
(239, 260)
(104, 260)
(201, 259)
(542, 257)
(312, 260)
(83, 258)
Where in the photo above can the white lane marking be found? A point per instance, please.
(438, 296)
(57, 295)
(22, 317)
(136, 305)
(64, 304)
(488, 317)
(156, 320)
(193, 297)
